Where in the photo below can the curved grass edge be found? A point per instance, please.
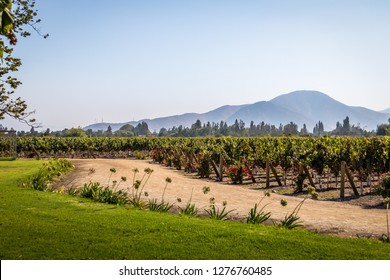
(46, 225)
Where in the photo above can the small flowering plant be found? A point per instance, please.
(237, 172)
(256, 215)
(292, 220)
(214, 212)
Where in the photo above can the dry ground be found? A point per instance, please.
(326, 217)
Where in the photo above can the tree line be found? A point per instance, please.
(199, 129)
(262, 129)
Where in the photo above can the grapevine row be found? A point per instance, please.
(366, 156)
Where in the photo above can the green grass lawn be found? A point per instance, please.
(46, 225)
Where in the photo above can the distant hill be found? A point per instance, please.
(386, 111)
(301, 107)
(267, 112)
(186, 120)
(317, 106)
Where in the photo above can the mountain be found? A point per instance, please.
(301, 107)
(386, 111)
(267, 112)
(186, 120)
(318, 106)
(103, 126)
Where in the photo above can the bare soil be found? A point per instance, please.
(353, 217)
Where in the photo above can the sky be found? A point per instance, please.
(125, 60)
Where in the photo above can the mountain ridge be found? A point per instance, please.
(386, 111)
(301, 107)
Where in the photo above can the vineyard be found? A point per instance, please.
(299, 161)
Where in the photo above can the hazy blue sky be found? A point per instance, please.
(125, 60)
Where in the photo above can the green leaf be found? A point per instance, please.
(6, 17)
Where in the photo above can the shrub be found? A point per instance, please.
(203, 168)
(157, 155)
(237, 172)
(139, 155)
(177, 161)
(48, 173)
(96, 192)
(90, 190)
(383, 188)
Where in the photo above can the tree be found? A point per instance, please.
(74, 132)
(223, 128)
(163, 132)
(15, 15)
(318, 130)
(127, 127)
(108, 131)
(338, 130)
(304, 130)
(383, 129)
(321, 129)
(141, 129)
(252, 129)
(47, 132)
(346, 126)
(32, 131)
(291, 128)
(197, 125)
(125, 130)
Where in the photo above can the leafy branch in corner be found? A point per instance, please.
(15, 16)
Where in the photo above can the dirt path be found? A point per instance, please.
(326, 217)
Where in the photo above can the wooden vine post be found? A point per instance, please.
(221, 163)
(190, 160)
(346, 173)
(350, 179)
(195, 158)
(308, 175)
(270, 167)
(218, 169)
(252, 176)
(342, 187)
(267, 173)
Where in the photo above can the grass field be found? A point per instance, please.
(47, 225)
